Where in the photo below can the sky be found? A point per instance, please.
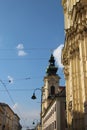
(30, 30)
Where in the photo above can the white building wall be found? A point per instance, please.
(50, 121)
(58, 115)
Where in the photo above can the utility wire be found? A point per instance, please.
(7, 91)
(21, 79)
(30, 49)
(10, 97)
(23, 59)
(1, 90)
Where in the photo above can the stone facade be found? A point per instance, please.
(1, 117)
(8, 119)
(53, 100)
(74, 59)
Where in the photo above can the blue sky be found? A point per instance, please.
(29, 31)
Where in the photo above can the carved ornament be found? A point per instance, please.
(66, 71)
(70, 106)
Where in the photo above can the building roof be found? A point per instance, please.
(61, 91)
(6, 105)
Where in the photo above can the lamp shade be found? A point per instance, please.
(33, 96)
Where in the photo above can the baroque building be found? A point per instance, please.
(74, 59)
(53, 99)
(51, 83)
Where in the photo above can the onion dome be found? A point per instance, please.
(51, 69)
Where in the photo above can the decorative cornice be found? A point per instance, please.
(75, 32)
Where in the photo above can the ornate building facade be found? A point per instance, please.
(74, 59)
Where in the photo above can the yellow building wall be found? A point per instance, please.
(74, 59)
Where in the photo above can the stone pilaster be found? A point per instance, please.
(74, 59)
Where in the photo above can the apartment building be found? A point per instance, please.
(1, 116)
(54, 117)
(8, 119)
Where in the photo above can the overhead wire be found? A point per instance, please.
(19, 59)
(25, 49)
(2, 90)
(21, 79)
(11, 98)
(7, 90)
(36, 49)
(18, 89)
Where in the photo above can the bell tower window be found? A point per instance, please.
(52, 90)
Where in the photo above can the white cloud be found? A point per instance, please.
(57, 55)
(20, 46)
(22, 53)
(10, 79)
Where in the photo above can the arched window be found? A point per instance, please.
(52, 90)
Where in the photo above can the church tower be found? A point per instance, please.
(51, 83)
(74, 59)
